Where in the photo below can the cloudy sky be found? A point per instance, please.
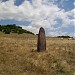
(56, 16)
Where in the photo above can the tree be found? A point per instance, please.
(0, 28)
(13, 28)
(7, 31)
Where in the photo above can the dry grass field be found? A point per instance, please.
(18, 56)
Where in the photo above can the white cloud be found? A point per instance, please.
(57, 33)
(74, 34)
(30, 28)
(74, 3)
(39, 13)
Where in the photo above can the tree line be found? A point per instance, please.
(64, 37)
(7, 29)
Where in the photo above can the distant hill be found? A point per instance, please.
(64, 37)
(7, 29)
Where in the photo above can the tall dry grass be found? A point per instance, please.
(19, 56)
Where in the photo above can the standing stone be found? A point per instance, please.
(41, 45)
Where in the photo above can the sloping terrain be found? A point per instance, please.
(7, 29)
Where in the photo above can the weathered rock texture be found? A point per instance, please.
(41, 44)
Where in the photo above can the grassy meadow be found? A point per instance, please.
(19, 56)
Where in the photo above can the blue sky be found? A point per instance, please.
(56, 16)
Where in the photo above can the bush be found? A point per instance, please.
(7, 31)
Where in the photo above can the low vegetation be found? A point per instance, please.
(64, 37)
(7, 29)
(19, 56)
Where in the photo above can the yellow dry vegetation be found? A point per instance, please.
(19, 56)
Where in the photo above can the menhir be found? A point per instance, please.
(41, 44)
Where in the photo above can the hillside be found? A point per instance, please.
(7, 29)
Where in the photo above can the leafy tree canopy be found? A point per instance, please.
(7, 29)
